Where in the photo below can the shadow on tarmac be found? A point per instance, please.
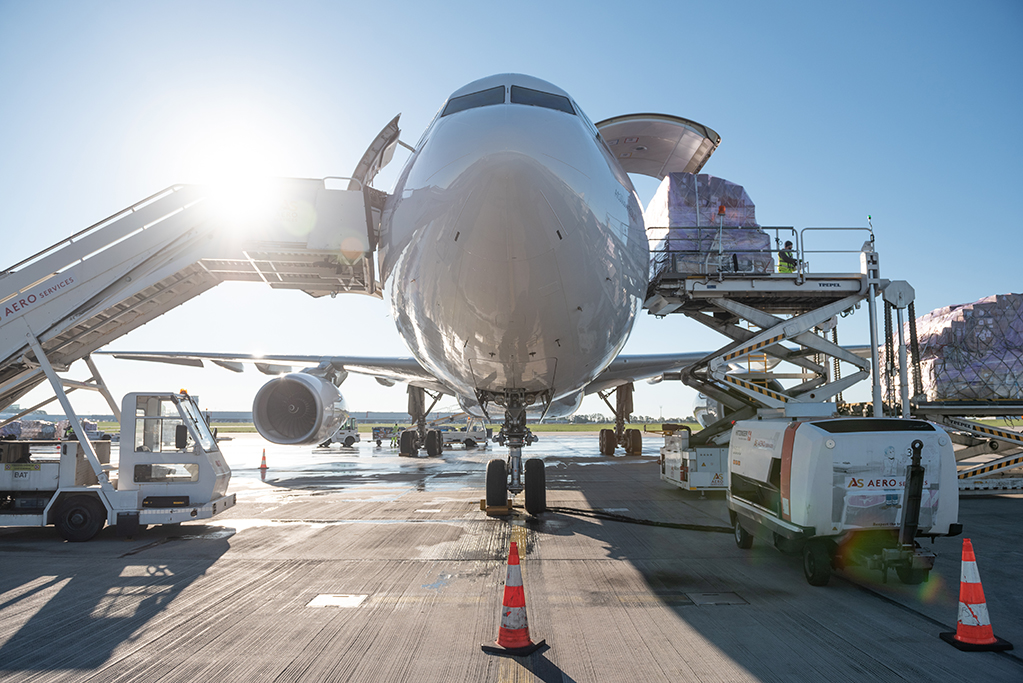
(779, 627)
(543, 668)
(71, 610)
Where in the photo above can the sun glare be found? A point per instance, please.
(225, 148)
(238, 157)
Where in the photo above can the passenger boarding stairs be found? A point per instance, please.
(787, 317)
(99, 284)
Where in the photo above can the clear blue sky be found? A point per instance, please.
(827, 111)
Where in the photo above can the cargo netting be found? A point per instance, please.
(971, 352)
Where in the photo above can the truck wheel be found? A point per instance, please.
(433, 443)
(378, 443)
(497, 484)
(469, 443)
(743, 538)
(816, 563)
(79, 518)
(349, 441)
(911, 576)
(536, 487)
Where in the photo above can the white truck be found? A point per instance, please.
(169, 470)
(473, 434)
(844, 491)
(347, 434)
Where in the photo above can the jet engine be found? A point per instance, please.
(298, 409)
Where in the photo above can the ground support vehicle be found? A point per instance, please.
(473, 434)
(697, 468)
(844, 491)
(347, 434)
(169, 470)
(389, 434)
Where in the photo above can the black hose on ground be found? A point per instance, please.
(598, 514)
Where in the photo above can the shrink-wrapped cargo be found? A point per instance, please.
(971, 352)
(37, 429)
(689, 232)
(90, 427)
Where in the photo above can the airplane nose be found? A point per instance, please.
(504, 248)
(511, 252)
(510, 212)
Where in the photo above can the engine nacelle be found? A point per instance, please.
(298, 409)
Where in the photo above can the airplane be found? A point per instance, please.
(515, 252)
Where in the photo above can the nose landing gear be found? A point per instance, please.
(513, 478)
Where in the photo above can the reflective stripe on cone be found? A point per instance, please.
(513, 634)
(973, 627)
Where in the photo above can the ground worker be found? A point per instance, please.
(786, 261)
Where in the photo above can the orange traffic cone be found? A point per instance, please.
(262, 465)
(513, 635)
(973, 627)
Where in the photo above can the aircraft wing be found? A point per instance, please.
(387, 371)
(625, 369)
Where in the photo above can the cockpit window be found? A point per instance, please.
(537, 98)
(473, 100)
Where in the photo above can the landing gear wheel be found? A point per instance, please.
(816, 563)
(743, 538)
(79, 518)
(434, 443)
(911, 576)
(607, 442)
(407, 444)
(536, 487)
(634, 441)
(497, 484)
(349, 441)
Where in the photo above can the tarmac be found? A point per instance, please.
(358, 565)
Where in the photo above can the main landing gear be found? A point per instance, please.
(629, 439)
(511, 477)
(411, 440)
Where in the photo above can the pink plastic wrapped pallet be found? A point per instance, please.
(972, 352)
(688, 234)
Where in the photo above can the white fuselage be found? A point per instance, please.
(513, 247)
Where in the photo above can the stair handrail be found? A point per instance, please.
(95, 226)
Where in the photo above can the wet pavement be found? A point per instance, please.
(358, 565)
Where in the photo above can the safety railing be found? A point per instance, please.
(703, 251)
(92, 228)
(806, 252)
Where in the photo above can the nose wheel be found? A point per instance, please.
(536, 486)
(512, 477)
